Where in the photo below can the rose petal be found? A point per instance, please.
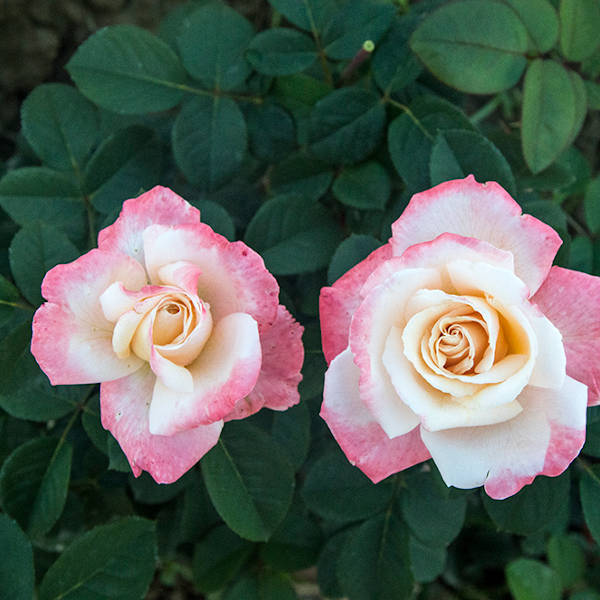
(282, 358)
(379, 312)
(72, 339)
(361, 438)
(338, 303)
(437, 410)
(232, 277)
(542, 440)
(124, 408)
(225, 372)
(483, 211)
(571, 300)
(159, 206)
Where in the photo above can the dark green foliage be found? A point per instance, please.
(303, 130)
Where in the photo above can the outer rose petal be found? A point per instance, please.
(124, 408)
(339, 302)
(282, 358)
(571, 300)
(542, 440)
(72, 339)
(379, 312)
(483, 211)
(361, 438)
(232, 278)
(225, 371)
(159, 206)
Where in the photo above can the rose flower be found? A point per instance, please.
(458, 340)
(182, 327)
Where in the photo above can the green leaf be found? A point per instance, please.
(589, 490)
(126, 163)
(531, 509)
(291, 429)
(540, 20)
(217, 217)
(249, 480)
(394, 64)
(349, 253)
(484, 59)
(375, 563)
(9, 298)
(549, 115)
(591, 204)
(581, 254)
(271, 131)
(128, 70)
(301, 175)
(579, 26)
(117, 461)
(293, 235)
(593, 94)
(33, 194)
(209, 141)
(146, 491)
(356, 22)
(33, 252)
(433, 516)
(60, 125)
(218, 557)
(296, 543)
(426, 562)
(264, 586)
(346, 126)
(411, 137)
(34, 481)
(337, 491)
(532, 580)
(366, 186)
(327, 566)
(581, 104)
(309, 15)
(212, 42)
(110, 561)
(592, 438)
(457, 153)
(567, 558)
(281, 51)
(17, 577)
(25, 392)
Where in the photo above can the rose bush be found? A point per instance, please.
(458, 340)
(182, 327)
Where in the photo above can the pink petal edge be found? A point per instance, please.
(362, 440)
(124, 411)
(484, 211)
(571, 300)
(282, 358)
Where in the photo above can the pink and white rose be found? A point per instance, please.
(182, 327)
(458, 340)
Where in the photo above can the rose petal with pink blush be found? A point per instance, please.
(72, 339)
(338, 303)
(232, 277)
(571, 300)
(483, 211)
(282, 358)
(361, 438)
(159, 206)
(124, 409)
(542, 440)
(225, 372)
(379, 312)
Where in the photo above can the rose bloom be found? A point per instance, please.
(182, 327)
(458, 340)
